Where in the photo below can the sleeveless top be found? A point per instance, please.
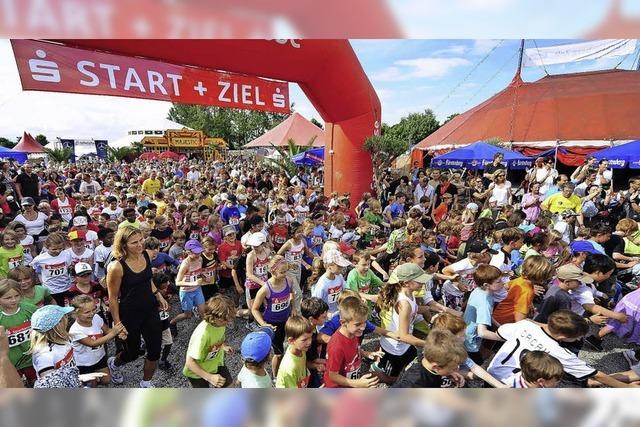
(191, 275)
(259, 270)
(135, 290)
(278, 305)
(294, 257)
(390, 345)
(209, 269)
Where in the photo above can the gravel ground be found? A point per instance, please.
(609, 361)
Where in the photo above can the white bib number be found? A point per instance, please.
(19, 334)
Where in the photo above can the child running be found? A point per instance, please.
(189, 281)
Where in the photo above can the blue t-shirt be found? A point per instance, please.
(163, 260)
(478, 312)
(231, 215)
(333, 324)
(396, 210)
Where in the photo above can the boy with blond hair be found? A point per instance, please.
(538, 370)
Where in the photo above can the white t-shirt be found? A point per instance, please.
(301, 213)
(34, 227)
(92, 187)
(114, 214)
(607, 175)
(83, 354)
(583, 294)
(85, 257)
(53, 271)
(328, 290)
(501, 193)
(53, 357)
(250, 380)
(101, 254)
(526, 335)
(26, 244)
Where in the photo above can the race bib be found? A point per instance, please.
(164, 315)
(213, 351)
(317, 240)
(234, 220)
(15, 262)
(194, 235)
(67, 360)
(334, 293)
(19, 334)
(66, 210)
(280, 304)
(54, 270)
(260, 270)
(280, 240)
(364, 287)
(164, 244)
(353, 375)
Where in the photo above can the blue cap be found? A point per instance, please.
(194, 246)
(257, 345)
(47, 317)
(582, 246)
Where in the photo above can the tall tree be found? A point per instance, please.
(451, 116)
(237, 127)
(7, 143)
(415, 127)
(383, 149)
(42, 140)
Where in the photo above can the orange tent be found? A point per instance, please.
(28, 144)
(295, 127)
(589, 109)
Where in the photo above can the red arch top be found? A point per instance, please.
(328, 72)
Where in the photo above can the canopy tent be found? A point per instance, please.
(313, 157)
(296, 128)
(576, 110)
(169, 155)
(7, 153)
(149, 155)
(621, 156)
(28, 144)
(477, 155)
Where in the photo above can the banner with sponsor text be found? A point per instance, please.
(54, 68)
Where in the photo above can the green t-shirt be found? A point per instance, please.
(293, 372)
(364, 284)
(205, 347)
(373, 218)
(18, 329)
(41, 296)
(9, 259)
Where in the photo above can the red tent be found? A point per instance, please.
(28, 144)
(149, 155)
(169, 155)
(295, 127)
(579, 111)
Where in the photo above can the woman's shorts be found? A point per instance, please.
(188, 300)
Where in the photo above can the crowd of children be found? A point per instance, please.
(439, 281)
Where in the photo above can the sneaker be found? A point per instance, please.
(594, 342)
(195, 312)
(116, 373)
(165, 365)
(630, 357)
(376, 368)
(146, 384)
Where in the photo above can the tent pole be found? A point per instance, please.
(519, 70)
(555, 157)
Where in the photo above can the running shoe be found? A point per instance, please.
(116, 373)
(630, 357)
(146, 384)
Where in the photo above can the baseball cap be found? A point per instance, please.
(346, 248)
(228, 229)
(79, 221)
(479, 246)
(350, 237)
(409, 271)
(333, 256)
(582, 246)
(573, 272)
(568, 213)
(193, 246)
(82, 268)
(256, 346)
(27, 201)
(46, 318)
(77, 235)
(256, 239)
(473, 206)
(492, 199)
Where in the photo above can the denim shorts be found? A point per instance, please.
(188, 300)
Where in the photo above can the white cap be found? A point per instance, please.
(256, 239)
(82, 267)
(472, 206)
(79, 221)
(334, 256)
(492, 199)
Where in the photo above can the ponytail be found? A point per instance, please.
(389, 295)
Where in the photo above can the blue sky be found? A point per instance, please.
(408, 75)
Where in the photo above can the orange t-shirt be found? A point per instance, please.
(519, 299)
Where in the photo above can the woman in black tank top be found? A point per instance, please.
(134, 301)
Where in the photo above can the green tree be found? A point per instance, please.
(59, 155)
(284, 164)
(383, 150)
(122, 153)
(237, 127)
(451, 116)
(317, 123)
(42, 140)
(415, 127)
(7, 143)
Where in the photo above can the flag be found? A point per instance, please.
(70, 143)
(597, 49)
(101, 149)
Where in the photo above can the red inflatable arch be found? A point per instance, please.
(328, 72)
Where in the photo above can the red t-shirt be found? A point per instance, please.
(228, 252)
(440, 212)
(279, 235)
(343, 357)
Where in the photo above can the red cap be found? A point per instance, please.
(346, 249)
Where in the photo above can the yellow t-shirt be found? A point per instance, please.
(557, 203)
(151, 186)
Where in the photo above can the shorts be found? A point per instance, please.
(102, 363)
(277, 343)
(202, 383)
(188, 300)
(393, 365)
(251, 295)
(167, 338)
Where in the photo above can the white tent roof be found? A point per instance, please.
(156, 125)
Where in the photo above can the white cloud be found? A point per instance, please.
(458, 49)
(483, 46)
(406, 69)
